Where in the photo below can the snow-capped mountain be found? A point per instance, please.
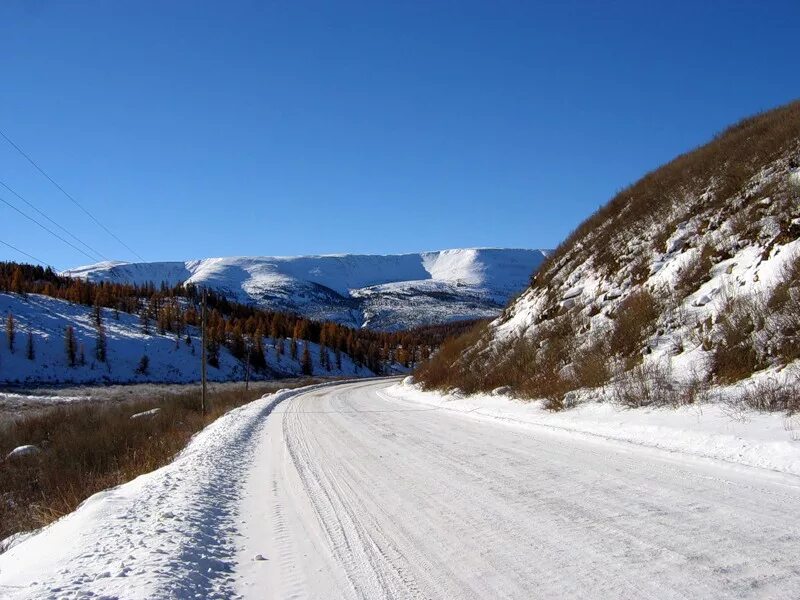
(386, 292)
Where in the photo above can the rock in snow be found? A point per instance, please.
(148, 413)
(23, 451)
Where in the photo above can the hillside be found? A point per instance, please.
(386, 293)
(684, 287)
(172, 358)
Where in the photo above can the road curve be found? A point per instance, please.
(357, 495)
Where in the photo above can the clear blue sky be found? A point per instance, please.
(195, 129)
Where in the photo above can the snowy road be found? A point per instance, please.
(346, 491)
(359, 495)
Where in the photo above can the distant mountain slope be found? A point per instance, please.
(171, 359)
(684, 286)
(382, 292)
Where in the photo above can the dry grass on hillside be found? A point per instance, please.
(707, 191)
(90, 447)
(724, 165)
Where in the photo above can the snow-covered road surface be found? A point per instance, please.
(359, 495)
(347, 492)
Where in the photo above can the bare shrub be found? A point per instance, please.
(648, 384)
(591, 367)
(695, 272)
(772, 395)
(449, 366)
(633, 318)
(735, 355)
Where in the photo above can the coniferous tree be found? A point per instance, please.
(143, 367)
(17, 285)
(293, 349)
(306, 365)
(101, 345)
(11, 333)
(70, 345)
(81, 355)
(144, 317)
(29, 351)
(97, 313)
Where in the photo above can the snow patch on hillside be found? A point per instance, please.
(171, 360)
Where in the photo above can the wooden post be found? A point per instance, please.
(248, 345)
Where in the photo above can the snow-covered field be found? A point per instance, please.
(381, 292)
(377, 490)
(171, 359)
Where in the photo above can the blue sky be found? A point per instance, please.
(195, 129)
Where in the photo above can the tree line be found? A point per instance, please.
(242, 329)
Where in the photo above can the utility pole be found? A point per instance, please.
(203, 354)
(248, 345)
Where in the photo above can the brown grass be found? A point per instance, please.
(89, 447)
(634, 317)
(735, 355)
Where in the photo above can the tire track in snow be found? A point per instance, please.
(432, 504)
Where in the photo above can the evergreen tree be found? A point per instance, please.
(70, 345)
(144, 365)
(101, 345)
(97, 313)
(81, 355)
(11, 333)
(306, 365)
(17, 285)
(293, 349)
(30, 353)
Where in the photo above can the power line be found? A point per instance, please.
(41, 262)
(64, 229)
(50, 231)
(63, 191)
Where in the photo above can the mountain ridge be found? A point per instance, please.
(386, 292)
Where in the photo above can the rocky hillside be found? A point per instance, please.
(685, 286)
(386, 293)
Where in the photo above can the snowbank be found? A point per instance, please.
(166, 534)
(764, 440)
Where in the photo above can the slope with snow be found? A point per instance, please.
(685, 280)
(171, 360)
(375, 490)
(380, 292)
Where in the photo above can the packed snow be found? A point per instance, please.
(378, 490)
(381, 292)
